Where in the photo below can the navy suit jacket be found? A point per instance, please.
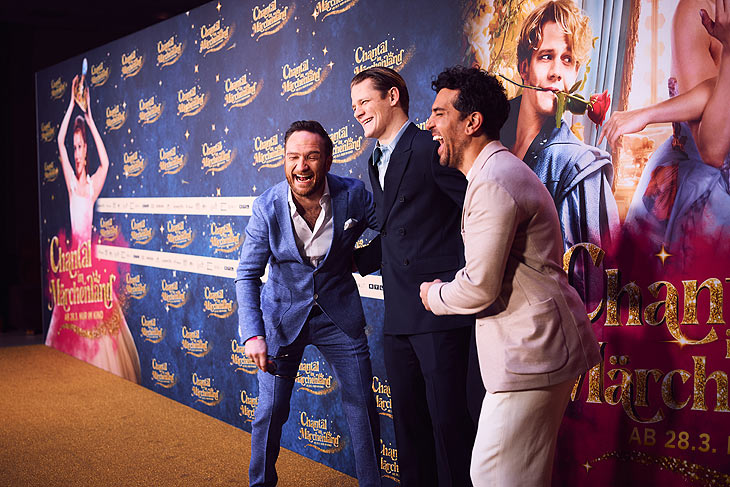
(279, 308)
(419, 217)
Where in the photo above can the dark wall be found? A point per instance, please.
(33, 36)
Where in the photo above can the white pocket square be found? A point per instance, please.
(350, 223)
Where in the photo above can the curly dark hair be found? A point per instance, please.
(314, 127)
(480, 92)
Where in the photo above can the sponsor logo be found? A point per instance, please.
(191, 102)
(169, 51)
(269, 151)
(149, 111)
(381, 389)
(224, 239)
(302, 78)
(312, 379)
(319, 433)
(134, 286)
(140, 233)
(58, 88)
(178, 235)
(269, 19)
(99, 74)
(204, 391)
(131, 64)
(386, 53)
(346, 147)
(240, 91)
(173, 295)
(48, 132)
(214, 37)
(116, 116)
(325, 8)
(134, 164)
(161, 376)
(150, 332)
(216, 303)
(108, 230)
(171, 160)
(50, 172)
(247, 408)
(216, 157)
(193, 343)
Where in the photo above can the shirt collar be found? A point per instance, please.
(389, 147)
(325, 199)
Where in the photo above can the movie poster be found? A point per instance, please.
(151, 150)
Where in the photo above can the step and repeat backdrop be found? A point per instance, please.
(151, 150)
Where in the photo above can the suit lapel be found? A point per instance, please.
(377, 192)
(338, 200)
(283, 218)
(397, 166)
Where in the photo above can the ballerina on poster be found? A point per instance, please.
(87, 320)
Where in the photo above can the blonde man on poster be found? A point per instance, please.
(554, 43)
(532, 332)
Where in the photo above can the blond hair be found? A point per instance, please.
(571, 21)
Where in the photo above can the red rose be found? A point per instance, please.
(598, 107)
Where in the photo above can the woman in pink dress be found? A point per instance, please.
(91, 331)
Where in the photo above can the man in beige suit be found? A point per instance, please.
(533, 335)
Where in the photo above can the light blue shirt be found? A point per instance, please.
(382, 164)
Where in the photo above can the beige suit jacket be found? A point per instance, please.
(532, 330)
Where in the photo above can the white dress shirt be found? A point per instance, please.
(313, 244)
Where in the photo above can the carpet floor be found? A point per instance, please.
(66, 423)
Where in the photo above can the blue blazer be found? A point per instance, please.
(279, 308)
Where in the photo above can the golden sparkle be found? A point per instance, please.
(212, 127)
(226, 130)
(254, 188)
(663, 254)
(196, 68)
(331, 64)
(218, 7)
(324, 51)
(587, 466)
(187, 135)
(217, 78)
(315, 14)
(217, 191)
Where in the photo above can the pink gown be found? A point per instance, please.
(78, 330)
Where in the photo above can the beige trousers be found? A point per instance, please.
(515, 443)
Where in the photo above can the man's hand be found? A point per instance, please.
(257, 351)
(425, 286)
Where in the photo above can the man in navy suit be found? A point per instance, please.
(418, 207)
(305, 229)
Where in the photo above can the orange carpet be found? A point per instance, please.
(66, 423)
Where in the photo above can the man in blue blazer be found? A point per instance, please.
(305, 229)
(418, 207)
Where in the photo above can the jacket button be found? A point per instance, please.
(316, 296)
(405, 262)
(402, 199)
(401, 231)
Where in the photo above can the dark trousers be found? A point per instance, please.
(434, 431)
